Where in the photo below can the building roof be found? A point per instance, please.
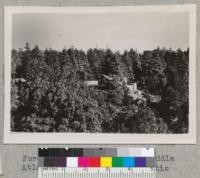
(91, 83)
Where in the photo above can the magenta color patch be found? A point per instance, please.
(83, 162)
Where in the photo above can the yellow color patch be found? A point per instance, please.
(106, 161)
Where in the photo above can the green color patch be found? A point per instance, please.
(117, 162)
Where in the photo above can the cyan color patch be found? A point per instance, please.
(129, 162)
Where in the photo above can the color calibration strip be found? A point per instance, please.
(80, 152)
(87, 157)
(97, 163)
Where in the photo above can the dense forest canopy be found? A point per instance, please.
(49, 93)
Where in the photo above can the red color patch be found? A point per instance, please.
(94, 162)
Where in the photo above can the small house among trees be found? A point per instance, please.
(91, 83)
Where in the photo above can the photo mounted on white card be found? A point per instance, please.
(100, 75)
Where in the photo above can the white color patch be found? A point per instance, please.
(147, 152)
(72, 162)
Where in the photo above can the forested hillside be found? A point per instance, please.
(49, 93)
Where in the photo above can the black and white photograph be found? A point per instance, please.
(100, 74)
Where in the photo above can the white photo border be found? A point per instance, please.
(96, 138)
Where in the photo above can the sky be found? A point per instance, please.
(119, 31)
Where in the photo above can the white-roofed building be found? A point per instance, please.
(91, 82)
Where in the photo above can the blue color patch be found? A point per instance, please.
(128, 161)
(140, 162)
